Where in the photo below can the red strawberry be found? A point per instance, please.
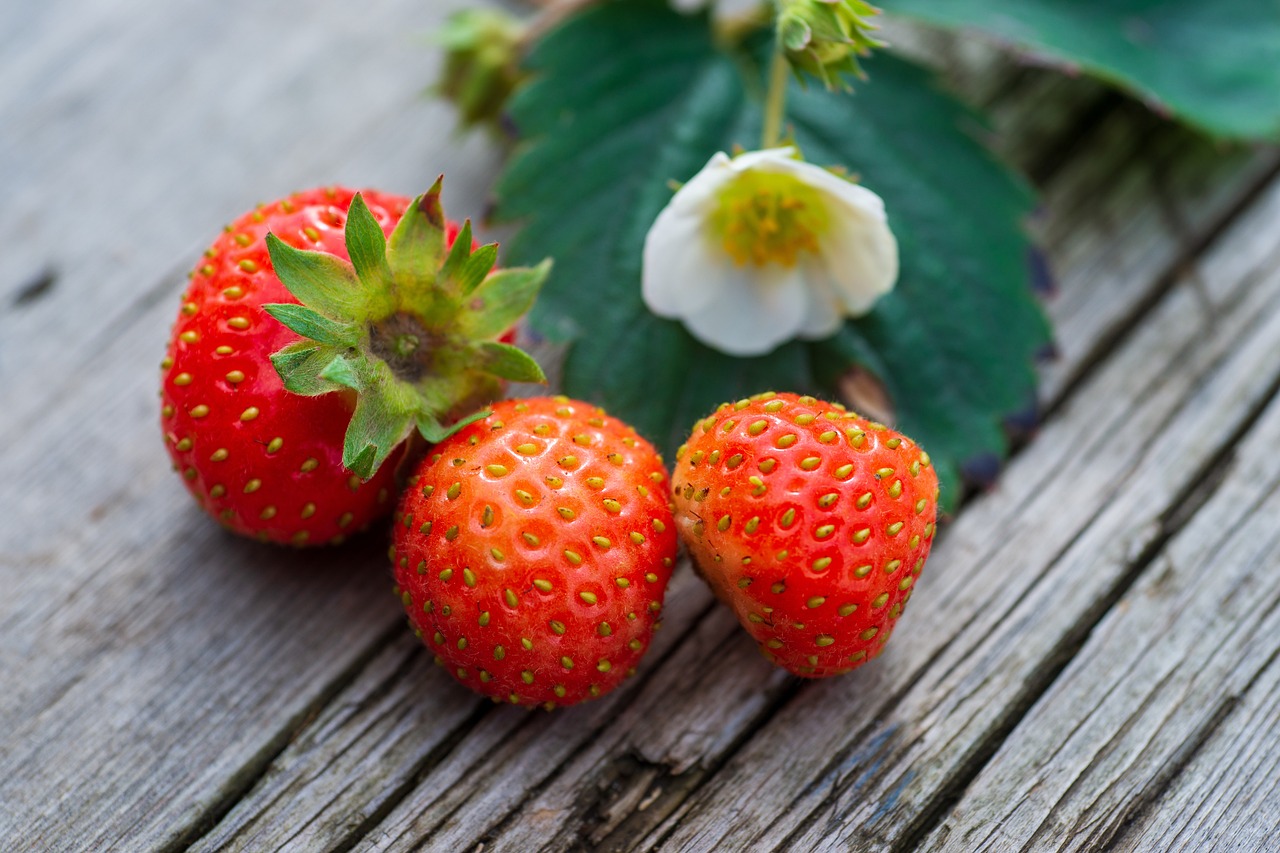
(810, 522)
(533, 551)
(266, 455)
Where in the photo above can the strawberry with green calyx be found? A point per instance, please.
(810, 522)
(410, 326)
(262, 460)
(533, 549)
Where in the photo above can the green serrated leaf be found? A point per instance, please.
(367, 246)
(1215, 64)
(501, 300)
(631, 96)
(310, 324)
(316, 279)
(416, 245)
(510, 363)
(300, 365)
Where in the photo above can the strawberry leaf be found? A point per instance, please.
(629, 96)
(340, 372)
(510, 363)
(477, 267)
(1214, 64)
(435, 432)
(301, 366)
(418, 349)
(417, 243)
(381, 421)
(326, 283)
(367, 246)
(502, 299)
(309, 324)
(460, 253)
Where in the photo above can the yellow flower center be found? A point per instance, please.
(766, 217)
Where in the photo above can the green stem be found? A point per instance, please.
(776, 101)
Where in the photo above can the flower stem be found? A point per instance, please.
(776, 101)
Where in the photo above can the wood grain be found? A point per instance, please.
(1158, 677)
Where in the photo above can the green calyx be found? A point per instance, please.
(826, 37)
(409, 325)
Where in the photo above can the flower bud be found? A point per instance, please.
(826, 37)
(481, 64)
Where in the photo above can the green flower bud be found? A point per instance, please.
(481, 63)
(826, 37)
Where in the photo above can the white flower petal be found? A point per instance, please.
(702, 189)
(825, 310)
(765, 159)
(860, 259)
(681, 274)
(764, 309)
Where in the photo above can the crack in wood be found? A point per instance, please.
(420, 771)
(669, 791)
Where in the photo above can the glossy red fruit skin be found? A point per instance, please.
(263, 461)
(811, 523)
(532, 551)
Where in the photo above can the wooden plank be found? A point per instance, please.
(396, 719)
(565, 783)
(152, 665)
(1164, 671)
(1226, 797)
(849, 762)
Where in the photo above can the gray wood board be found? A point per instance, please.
(1168, 669)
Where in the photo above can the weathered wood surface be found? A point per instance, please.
(1065, 676)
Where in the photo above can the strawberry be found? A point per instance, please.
(810, 522)
(315, 335)
(533, 549)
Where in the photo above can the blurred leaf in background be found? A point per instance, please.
(1213, 63)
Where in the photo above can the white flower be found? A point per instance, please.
(762, 248)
